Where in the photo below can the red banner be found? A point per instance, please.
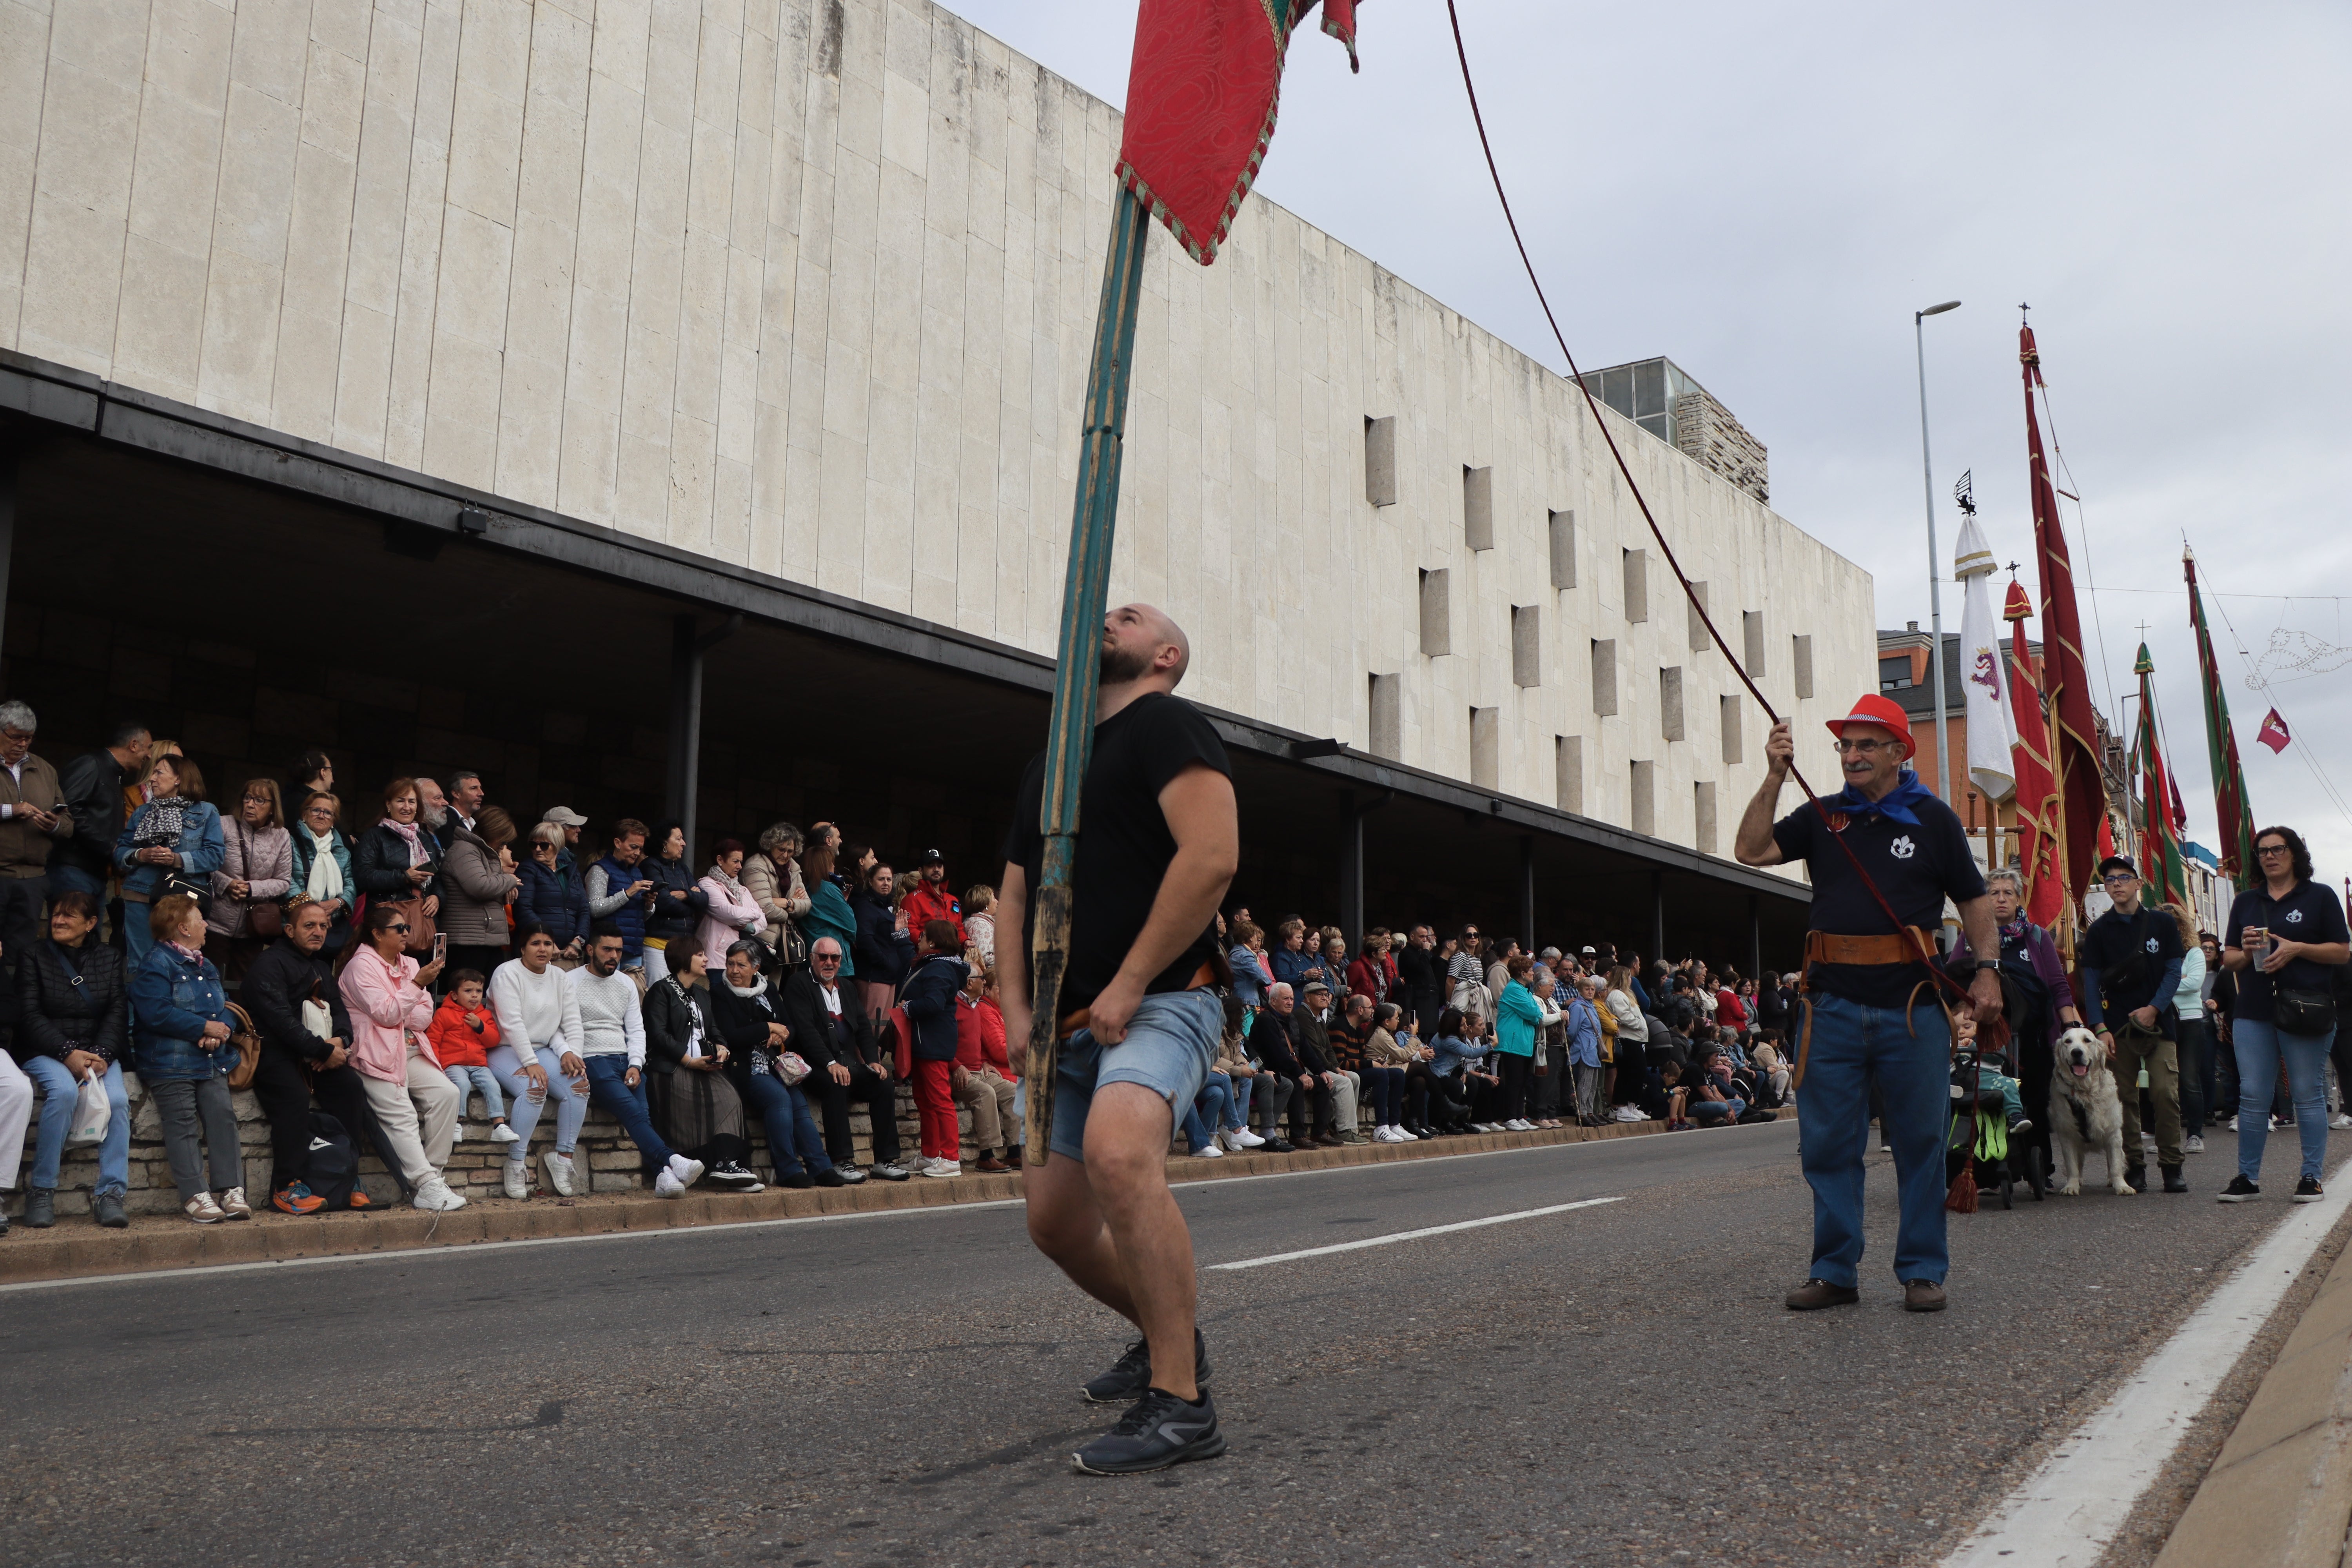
(2037, 792)
(2065, 680)
(2274, 733)
(1201, 99)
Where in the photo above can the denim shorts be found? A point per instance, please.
(1171, 1043)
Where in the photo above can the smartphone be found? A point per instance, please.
(440, 947)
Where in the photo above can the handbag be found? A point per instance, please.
(247, 1041)
(91, 1113)
(791, 944)
(2302, 1011)
(265, 918)
(792, 1067)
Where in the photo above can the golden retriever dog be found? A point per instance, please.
(2085, 1113)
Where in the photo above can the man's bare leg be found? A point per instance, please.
(1118, 1234)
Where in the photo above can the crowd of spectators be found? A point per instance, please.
(372, 962)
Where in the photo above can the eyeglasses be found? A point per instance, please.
(2119, 879)
(401, 929)
(827, 958)
(1862, 748)
(2274, 850)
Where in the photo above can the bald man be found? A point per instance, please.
(1159, 844)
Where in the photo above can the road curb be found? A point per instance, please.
(2280, 1492)
(75, 1250)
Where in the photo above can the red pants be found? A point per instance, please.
(935, 1099)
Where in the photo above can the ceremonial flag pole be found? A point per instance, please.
(2065, 679)
(1201, 99)
(2160, 833)
(2039, 820)
(2235, 814)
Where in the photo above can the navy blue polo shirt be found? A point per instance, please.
(1915, 866)
(2309, 912)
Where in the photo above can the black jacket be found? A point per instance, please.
(882, 955)
(929, 997)
(673, 916)
(671, 1012)
(820, 1037)
(280, 981)
(380, 863)
(72, 1002)
(1270, 1042)
(92, 785)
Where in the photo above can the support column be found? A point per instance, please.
(1756, 939)
(1351, 871)
(7, 526)
(682, 786)
(1657, 915)
(1527, 893)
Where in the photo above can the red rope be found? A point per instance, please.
(1462, 54)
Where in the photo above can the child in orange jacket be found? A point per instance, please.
(463, 1033)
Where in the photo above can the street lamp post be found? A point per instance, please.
(1935, 562)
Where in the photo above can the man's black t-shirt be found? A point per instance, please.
(1124, 845)
(2129, 953)
(1914, 866)
(2309, 912)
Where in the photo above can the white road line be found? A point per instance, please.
(2069, 1510)
(1415, 1234)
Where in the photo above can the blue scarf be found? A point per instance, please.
(1895, 805)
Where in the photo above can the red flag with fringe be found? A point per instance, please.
(1201, 99)
(2082, 786)
(2037, 792)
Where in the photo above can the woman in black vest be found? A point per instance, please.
(2285, 942)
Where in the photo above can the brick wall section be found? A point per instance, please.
(1708, 434)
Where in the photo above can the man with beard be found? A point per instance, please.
(1161, 838)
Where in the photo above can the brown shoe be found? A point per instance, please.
(992, 1164)
(1922, 1296)
(1815, 1294)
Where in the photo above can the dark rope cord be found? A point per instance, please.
(1738, 668)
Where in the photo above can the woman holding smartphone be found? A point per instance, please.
(2284, 938)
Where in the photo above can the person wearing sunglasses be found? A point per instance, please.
(1873, 1012)
(834, 1034)
(2129, 961)
(390, 999)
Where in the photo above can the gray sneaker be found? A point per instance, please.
(1158, 1430)
(850, 1175)
(891, 1170)
(41, 1207)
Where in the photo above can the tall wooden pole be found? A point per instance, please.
(1069, 737)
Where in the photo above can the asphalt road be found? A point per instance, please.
(1614, 1384)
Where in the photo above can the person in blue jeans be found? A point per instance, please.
(1873, 1016)
(73, 1021)
(749, 1026)
(177, 833)
(2285, 942)
(612, 1047)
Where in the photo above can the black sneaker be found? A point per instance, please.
(2173, 1182)
(833, 1178)
(2306, 1191)
(2239, 1191)
(728, 1174)
(1158, 1430)
(1129, 1376)
(2136, 1177)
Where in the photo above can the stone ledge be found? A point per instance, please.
(2280, 1492)
(75, 1248)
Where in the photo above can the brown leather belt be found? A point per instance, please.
(1832, 947)
(1073, 1022)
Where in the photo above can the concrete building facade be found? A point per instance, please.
(801, 291)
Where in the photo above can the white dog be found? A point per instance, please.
(2084, 1113)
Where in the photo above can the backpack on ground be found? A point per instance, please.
(334, 1162)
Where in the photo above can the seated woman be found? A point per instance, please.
(1697, 1099)
(180, 1025)
(691, 1099)
(389, 1000)
(1209, 1109)
(1241, 1071)
(1456, 1057)
(538, 1058)
(746, 1020)
(1401, 1087)
(74, 1022)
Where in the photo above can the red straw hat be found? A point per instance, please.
(1881, 712)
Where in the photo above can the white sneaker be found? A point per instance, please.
(1381, 1135)
(1403, 1136)
(203, 1210)
(503, 1133)
(233, 1203)
(516, 1184)
(1520, 1124)
(2274, 1126)
(1210, 1152)
(559, 1172)
(942, 1168)
(433, 1195)
(2341, 1121)
(688, 1172)
(667, 1185)
(1239, 1138)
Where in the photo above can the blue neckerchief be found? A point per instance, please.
(1895, 805)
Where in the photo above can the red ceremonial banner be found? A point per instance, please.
(2273, 731)
(1200, 101)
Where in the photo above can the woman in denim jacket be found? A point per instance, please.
(175, 834)
(180, 1028)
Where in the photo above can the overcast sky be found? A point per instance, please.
(1766, 194)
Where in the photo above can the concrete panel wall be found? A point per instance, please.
(807, 285)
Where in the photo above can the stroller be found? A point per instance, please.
(1985, 1137)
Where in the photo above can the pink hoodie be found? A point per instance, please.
(387, 1007)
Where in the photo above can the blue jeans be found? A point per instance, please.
(1854, 1047)
(1384, 1087)
(137, 937)
(571, 1106)
(466, 1081)
(58, 1088)
(1242, 1087)
(793, 1138)
(2259, 1046)
(1213, 1108)
(1717, 1110)
(609, 1088)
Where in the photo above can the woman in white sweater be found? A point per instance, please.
(539, 1058)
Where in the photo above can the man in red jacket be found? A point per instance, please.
(933, 901)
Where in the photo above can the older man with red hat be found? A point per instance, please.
(1872, 1012)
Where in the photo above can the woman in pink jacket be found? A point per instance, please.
(734, 912)
(416, 1108)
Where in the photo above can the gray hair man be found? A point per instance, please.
(33, 817)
